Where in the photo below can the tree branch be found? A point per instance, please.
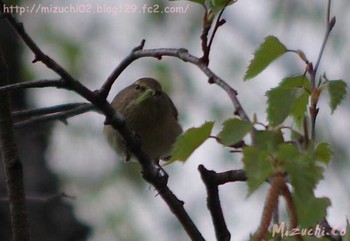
(214, 205)
(33, 84)
(12, 165)
(61, 115)
(43, 198)
(230, 176)
(184, 56)
(330, 25)
(50, 110)
(106, 87)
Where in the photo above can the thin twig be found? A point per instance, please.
(204, 39)
(61, 116)
(186, 57)
(313, 70)
(330, 25)
(43, 198)
(33, 84)
(106, 87)
(48, 110)
(219, 22)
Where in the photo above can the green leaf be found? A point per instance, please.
(189, 141)
(299, 81)
(279, 102)
(304, 174)
(195, 1)
(218, 5)
(302, 170)
(323, 153)
(290, 97)
(233, 131)
(337, 92)
(268, 51)
(269, 140)
(257, 165)
(311, 211)
(198, 1)
(299, 105)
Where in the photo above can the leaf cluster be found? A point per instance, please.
(298, 156)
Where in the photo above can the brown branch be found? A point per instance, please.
(49, 110)
(61, 115)
(219, 22)
(330, 25)
(313, 70)
(43, 198)
(186, 57)
(106, 87)
(204, 37)
(13, 168)
(230, 176)
(213, 204)
(151, 171)
(33, 84)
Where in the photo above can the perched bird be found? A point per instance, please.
(151, 114)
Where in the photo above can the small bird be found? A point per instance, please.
(151, 114)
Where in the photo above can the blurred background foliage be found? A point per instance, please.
(111, 197)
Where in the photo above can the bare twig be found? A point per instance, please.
(330, 26)
(13, 168)
(186, 57)
(61, 115)
(49, 110)
(213, 203)
(219, 22)
(33, 84)
(204, 37)
(313, 70)
(42, 198)
(106, 87)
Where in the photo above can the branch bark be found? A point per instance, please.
(214, 205)
(182, 54)
(12, 166)
(60, 112)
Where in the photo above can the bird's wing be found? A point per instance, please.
(172, 106)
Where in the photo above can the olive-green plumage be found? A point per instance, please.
(151, 114)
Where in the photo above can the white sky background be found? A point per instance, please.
(81, 156)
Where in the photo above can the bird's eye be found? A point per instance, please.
(158, 93)
(138, 87)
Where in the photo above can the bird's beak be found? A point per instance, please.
(148, 93)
